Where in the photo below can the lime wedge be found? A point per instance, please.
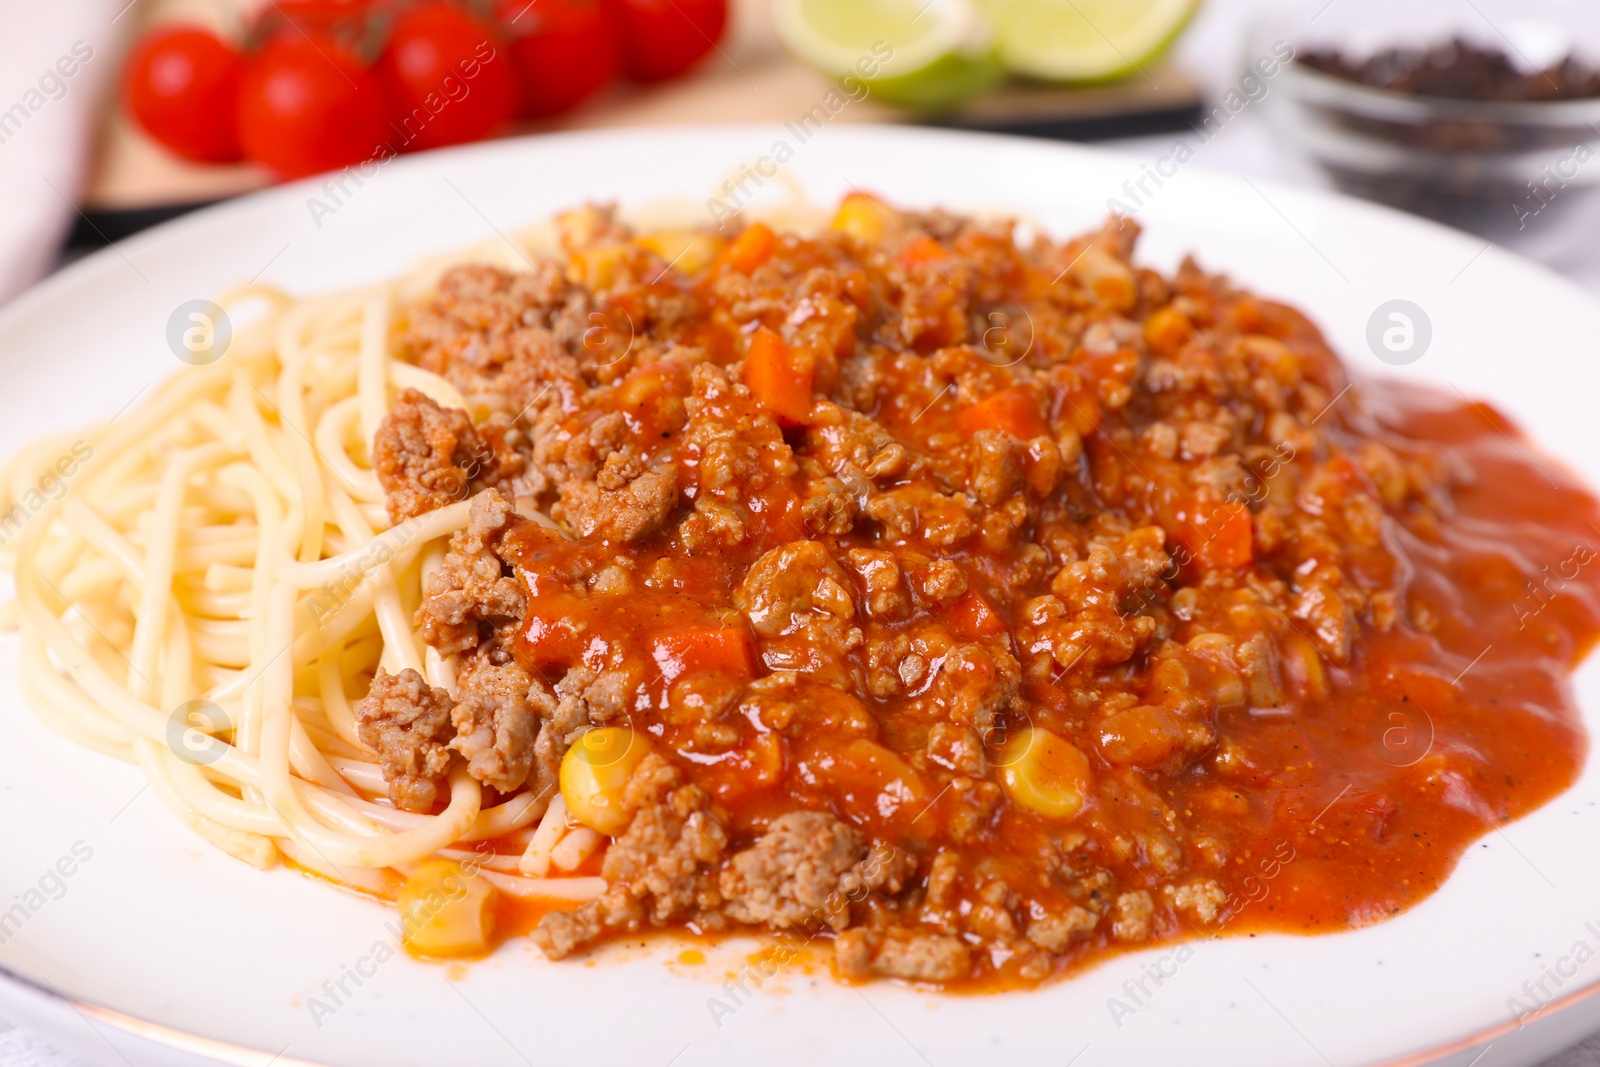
(1085, 40)
(927, 54)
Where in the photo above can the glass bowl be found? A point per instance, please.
(1522, 174)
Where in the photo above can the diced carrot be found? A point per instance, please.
(780, 376)
(972, 617)
(1081, 408)
(922, 250)
(1222, 539)
(705, 648)
(1011, 411)
(751, 248)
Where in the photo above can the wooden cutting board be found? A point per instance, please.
(750, 79)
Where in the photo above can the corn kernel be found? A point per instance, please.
(1167, 330)
(1274, 357)
(594, 772)
(689, 251)
(597, 267)
(1044, 773)
(582, 227)
(446, 911)
(863, 218)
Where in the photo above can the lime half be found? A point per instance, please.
(1085, 40)
(928, 54)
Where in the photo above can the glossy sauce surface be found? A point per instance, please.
(1337, 817)
(1287, 646)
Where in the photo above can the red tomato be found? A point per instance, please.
(449, 77)
(663, 38)
(565, 51)
(306, 104)
(181, 85)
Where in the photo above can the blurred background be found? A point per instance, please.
(1484, 114)
(118, 114)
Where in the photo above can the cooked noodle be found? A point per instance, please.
(225, 541)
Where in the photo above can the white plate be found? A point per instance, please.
(162, 928)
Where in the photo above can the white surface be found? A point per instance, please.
(162, 927)
(22, 1047)
(42, 157)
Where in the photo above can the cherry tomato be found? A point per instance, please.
(565, 51)
(181, 85)
(306, 104)
(450, 77)
(663, 38)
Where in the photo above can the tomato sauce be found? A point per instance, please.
(1137, 622)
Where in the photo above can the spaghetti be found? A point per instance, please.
(221, 571)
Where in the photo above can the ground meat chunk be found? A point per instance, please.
(1054, 932)
(581, 699)
(739, 448)
(1203, 897)
(427, 456)
(672, 840)
(884, 592)
(806, 870)
(941, 581)
(489, 330)
(1131, 916)
(472, 586)
(407, 722)
(996, 460)
(898, 953)
(495, 723)
(965, 683)
(797, 597)
(790, 583)
(938, 518)
(618, 507)
(712, 526)
(659, 870)
(590, 226)
(603, 698)
(973, 803)
(561, 933)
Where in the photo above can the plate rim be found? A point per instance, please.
(85, 270)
